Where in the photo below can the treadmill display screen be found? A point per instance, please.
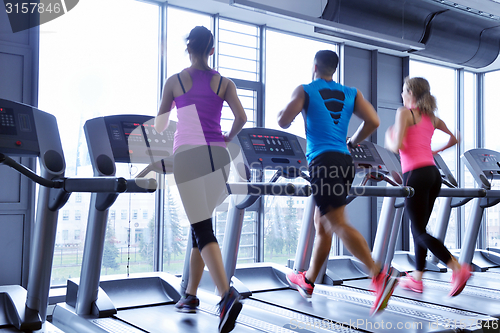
(134, 134)
(7, 123)
(271, 144)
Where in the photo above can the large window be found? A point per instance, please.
(289, 63)
(238, 56)
(95, 67)
(238, 59)
(468, 136)
(176, 225)
(179, 24)
(491, 121)
(443, 86)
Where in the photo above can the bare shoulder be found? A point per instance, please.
(403, 110)
(184, 74)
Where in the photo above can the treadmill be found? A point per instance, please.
(483, 164)
(336, 307)
(473, 301)
(34, 133)
(451, 197)
(140, 302)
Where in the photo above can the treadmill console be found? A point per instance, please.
(445, 172)
(265, 148)
(370, 157)
(365, 156)
(483, 164)
(17, 129)
(132, 138)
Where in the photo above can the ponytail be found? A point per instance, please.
(427, 103)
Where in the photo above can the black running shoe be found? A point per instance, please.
(229, 309)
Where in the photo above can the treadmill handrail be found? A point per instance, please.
(4, 159)
(287, 189)
(255, 190)
(493, 193)
(95, 184)
(462, 192)
(379, 191)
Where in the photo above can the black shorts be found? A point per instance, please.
(332, 174)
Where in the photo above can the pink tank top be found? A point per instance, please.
(416, 152)
(199, 113)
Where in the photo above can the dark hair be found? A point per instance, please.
(200, 41)
(421, 90)
(327, 61)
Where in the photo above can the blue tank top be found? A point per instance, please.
(326, 116)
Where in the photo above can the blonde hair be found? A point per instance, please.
(421, 90)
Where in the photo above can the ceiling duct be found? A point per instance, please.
(449, 34)
(438, 29)
(296, 13)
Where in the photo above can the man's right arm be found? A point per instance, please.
(364, 110)
(293, 108)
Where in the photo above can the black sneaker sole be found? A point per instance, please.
(228, 325)
(184, 310)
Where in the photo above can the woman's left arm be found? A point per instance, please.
(440, 125)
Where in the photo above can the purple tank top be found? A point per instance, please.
(199, 113)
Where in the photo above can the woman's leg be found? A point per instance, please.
(195, 194)
(427, 183)
(196, 267)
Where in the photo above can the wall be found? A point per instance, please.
(18, 82)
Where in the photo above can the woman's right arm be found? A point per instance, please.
(396, 133)
(240, 118)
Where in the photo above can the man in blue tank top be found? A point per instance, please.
(327, 107)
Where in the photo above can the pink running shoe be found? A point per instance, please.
(409, 283)
(298, 281)
(384, 285)
(459, 279)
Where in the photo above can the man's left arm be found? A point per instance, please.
(293, 108)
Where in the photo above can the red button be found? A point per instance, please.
(18, 143)
(260, 159)
(299, 161)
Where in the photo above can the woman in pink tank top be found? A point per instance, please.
(201, 164)
(411, 136)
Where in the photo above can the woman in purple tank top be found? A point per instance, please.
(411, 136)
(201, 164)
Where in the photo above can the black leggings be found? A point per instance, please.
(201, 174)
(427, 183)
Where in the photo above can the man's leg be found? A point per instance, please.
(335, 221)
(322, 245)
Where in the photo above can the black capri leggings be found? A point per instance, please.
(201, 174)
(427, 183)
